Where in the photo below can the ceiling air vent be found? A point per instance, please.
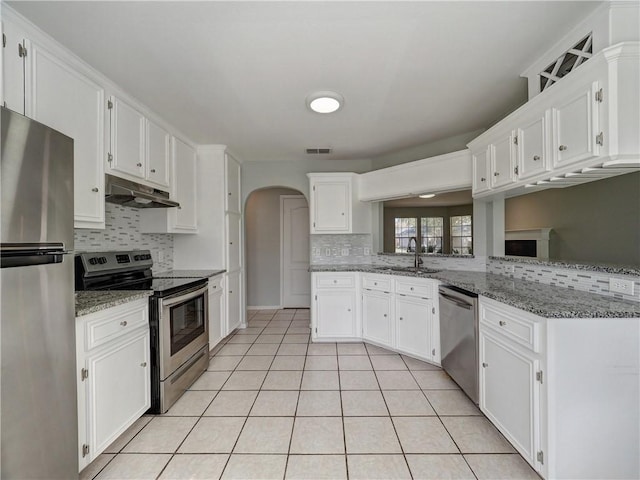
(318, 151)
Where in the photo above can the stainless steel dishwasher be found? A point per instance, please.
(459, 337)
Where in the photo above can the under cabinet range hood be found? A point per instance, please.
(135, 195)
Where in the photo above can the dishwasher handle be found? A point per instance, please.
(456, 301)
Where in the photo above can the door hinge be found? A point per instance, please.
(540, 456)
(84, 374)
(433, 310)
(433, 352)
(85, 450)
(314, 188)
(314, 224)
(599, 96)
(22, 51)
(515, 140)
(600, 139)
(109, 104)
(4, 40)
(316, 329)
(109, 158)
(316, 297)
(515, 170)
(539, 376)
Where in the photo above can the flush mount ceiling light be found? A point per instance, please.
(427, 195)
(325, 102)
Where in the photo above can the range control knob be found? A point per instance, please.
(93, 260)
(102, 260)
(137, 257)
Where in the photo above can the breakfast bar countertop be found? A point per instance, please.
(549, 301)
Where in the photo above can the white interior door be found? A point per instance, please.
(296, 279)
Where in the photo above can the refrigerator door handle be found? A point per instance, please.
(11, 256)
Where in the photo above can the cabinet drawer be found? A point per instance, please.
(336, 281)
(376, 282)
(114, 323)
(517, 328)
(414, 288)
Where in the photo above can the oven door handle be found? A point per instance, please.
(169, 301)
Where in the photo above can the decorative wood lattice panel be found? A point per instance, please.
(567, 62)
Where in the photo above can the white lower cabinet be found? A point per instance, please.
(377, 320)
(334, 312)
(413, 329)
(217, 315)
(112, 348)
(234, 302)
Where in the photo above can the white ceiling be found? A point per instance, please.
(237, 73)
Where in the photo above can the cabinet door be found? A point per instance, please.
(119, 388)
(13, 91)
(217, 331)
(502, 161)
(377, 324)
(158, 155)
(234, 298)
(234, 247)
(232, 185)
(127, 139)
(413, 326)
(336, 314)
(480, 162)
(532, 158)
(509, 392)
(184, 158)
(574, 121)
(66, 100)
(331, 209)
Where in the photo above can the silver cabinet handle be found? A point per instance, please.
(536, 158)
(143, 364)
(562, 148)
(138, 164)
(483, 179)
(229, 193)
(385, 315)
(342, 214)
(153, 170)
(123, 323)
(411, 289)
(348, 309)
(375, 283)
(495, 174)
(95, 189)
(502, 323)
(485, 365)
(401, 318)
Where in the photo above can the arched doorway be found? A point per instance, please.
(277, 249)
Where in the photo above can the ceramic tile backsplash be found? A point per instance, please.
(575, 279)
(341, 249)
(122, 232)
(472, 264)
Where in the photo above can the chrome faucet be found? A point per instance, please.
(417, 261)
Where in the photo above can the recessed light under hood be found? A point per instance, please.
(135, 195)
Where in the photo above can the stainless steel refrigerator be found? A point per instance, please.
(39, 422)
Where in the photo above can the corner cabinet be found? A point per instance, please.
(114, 388)
(217, 313)
(334, 206)
(63, 98)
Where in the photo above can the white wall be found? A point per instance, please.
(262, 246)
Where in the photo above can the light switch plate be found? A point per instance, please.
(327, 252)
(367, 251)
(618, 285)
(345, 252)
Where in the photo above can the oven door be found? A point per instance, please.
(183, 326)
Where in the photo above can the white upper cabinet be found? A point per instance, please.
(502, 161)
(480, 160)
(233, 200)
(185, 163)
(573, 123)
(158, 158)
(532, 147)
(127, 139)
(13, 47)
(68, 101)
(334, 205)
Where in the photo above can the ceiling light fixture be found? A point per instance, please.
(325, 102)
(427, 195)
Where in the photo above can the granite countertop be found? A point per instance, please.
(188, 274)
(94, 301)
(540, 299)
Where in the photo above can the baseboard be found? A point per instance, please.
(268, 307)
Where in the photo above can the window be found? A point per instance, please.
(431, 230)
(405, 228)
(461, 235)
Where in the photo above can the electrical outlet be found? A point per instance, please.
(618, 285)
(367, 251)
(345, 252)
(327, 252)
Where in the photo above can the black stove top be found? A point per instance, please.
(130, 270)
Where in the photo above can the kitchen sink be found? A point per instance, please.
(406, 269)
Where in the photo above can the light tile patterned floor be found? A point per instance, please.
(274, 406)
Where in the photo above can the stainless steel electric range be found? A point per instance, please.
(178, 317)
